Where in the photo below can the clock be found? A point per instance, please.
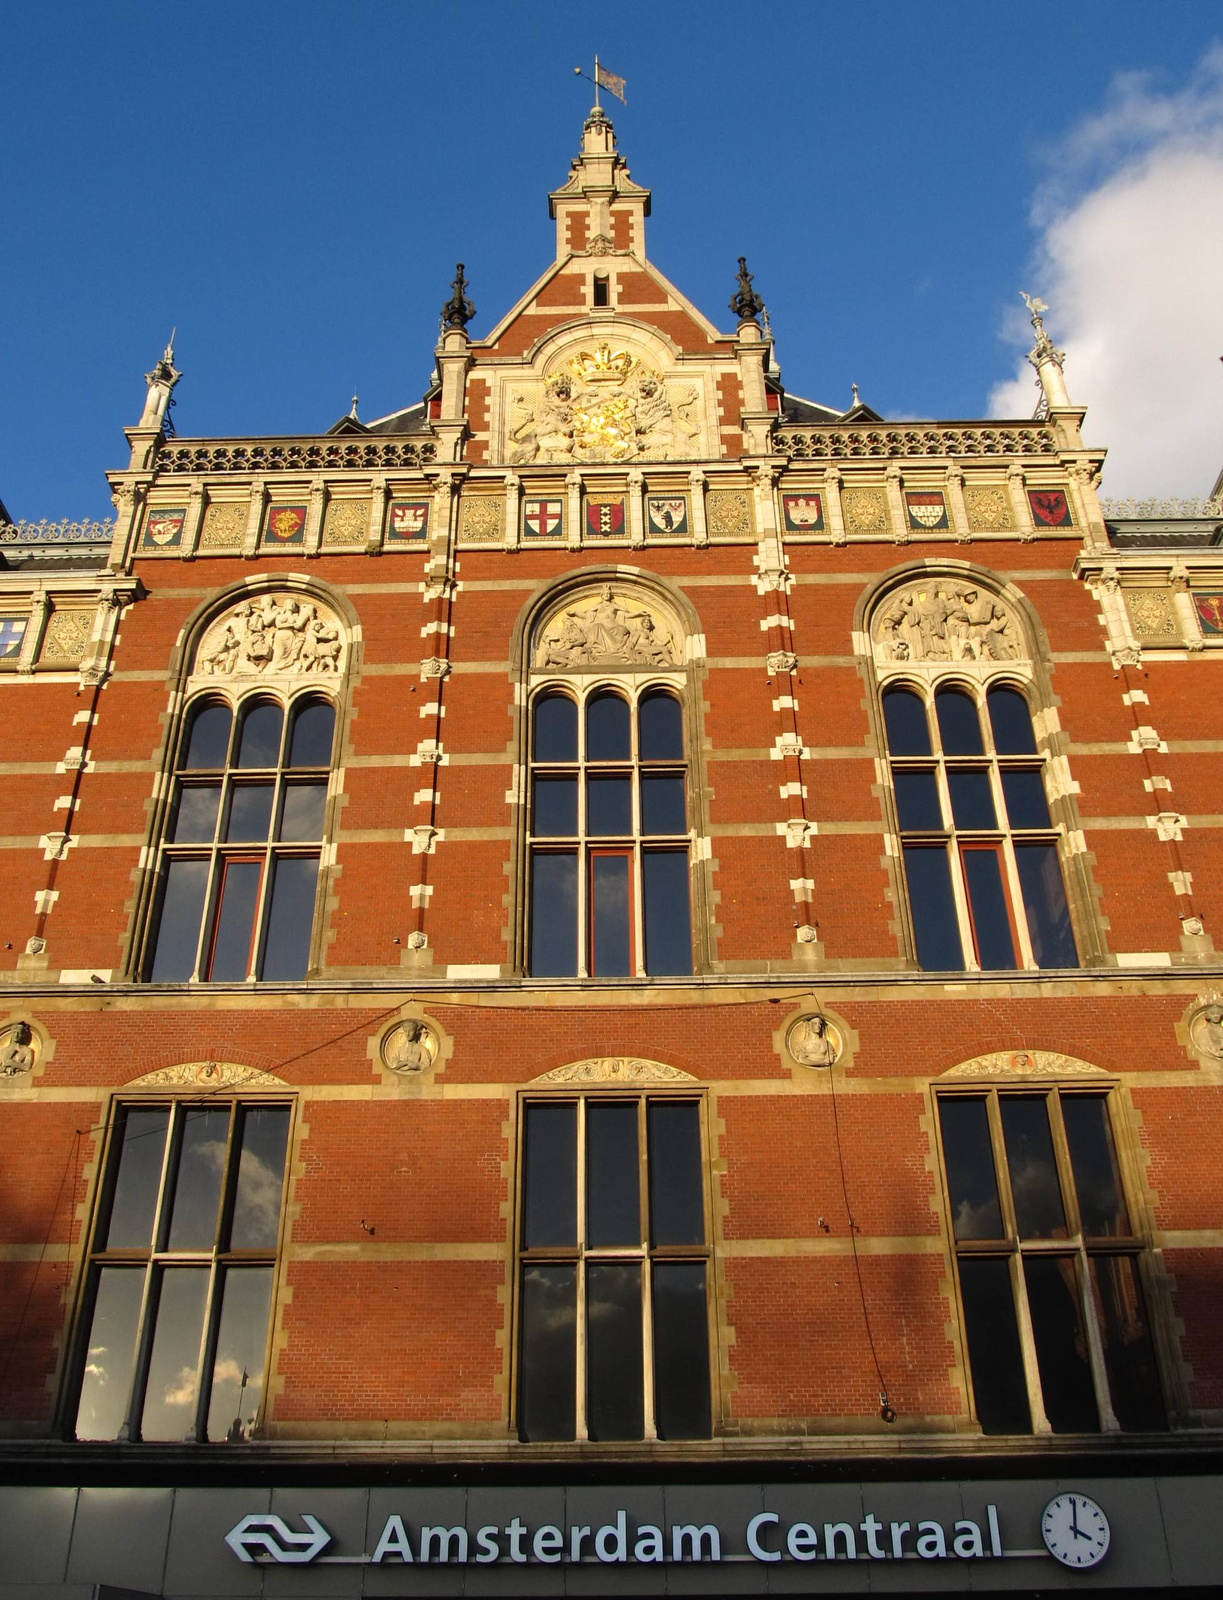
(1075, 1530)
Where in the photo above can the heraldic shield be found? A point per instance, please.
(605, 516)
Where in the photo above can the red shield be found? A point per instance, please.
(605, 518)
(1049, 507)
(409, 518)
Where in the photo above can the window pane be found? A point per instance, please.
(1029, 1157)
(1024, 792)
(231, 952)
(613, 1199)
(250, 813)
(1044, 901)
(197, 1183)
(197, 813)
(256, 1219)
(290, 923)
(660, 728)
(141, 1153)
(554, 812)
(971, 1180)
(958, 724)
(904, 716)
(259, 742)
(662, 804)
(1011, 721)
(1129, 1360)
(989, 909)
(667, 918)
(972, 799)
(554, 915)
(208, 741)
(1093, 1160)
(607, 728)
(609, 917)
(993, 1346)
(615, 1396)
(178, 929)
(1061, 1346)
(313, 734)
(547, 1366)
(935, 925)
(677, 1199)
(609, 806)
(556, 728)
(681, 1351)
(111, 1354)
(550, 1176)
(917, 801)
(237, 1370)
(301, 812)
(173, 1386)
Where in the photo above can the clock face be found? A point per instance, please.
(1075, 1530)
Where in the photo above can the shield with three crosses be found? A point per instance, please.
(605, 516)
(543, 519)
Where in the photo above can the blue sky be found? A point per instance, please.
(291, 186)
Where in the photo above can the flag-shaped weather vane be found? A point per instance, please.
(603, 79)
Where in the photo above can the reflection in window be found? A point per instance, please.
(242, 845)
(979, 846)
(180, 1276)
(613, 1319)
(1048, 1264)
(609, 860)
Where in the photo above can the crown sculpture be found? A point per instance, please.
(604, 366)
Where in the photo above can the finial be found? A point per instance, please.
(854, 387)
(160, 397)
(353, 412)
(458, 310)
(1043, 350)
(745, 302)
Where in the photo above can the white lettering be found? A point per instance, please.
(696, 1538)
(548, 1543)
(802, 1542)
(576, 1535)
(899, 1529)
(611, 1541)
(968, 1544)
(870, 1526)
(831, 1529)
(442, 1537)
(995, 1533)
(931, 1546)
(753, 1544)
(486, 1540)
(514, 1532)
(650, 1549)
(394, 1542)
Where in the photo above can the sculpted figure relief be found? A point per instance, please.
(409, 1048)
(605, 632)
(607, 407)
(272, 634)
(16, 1054)
(1206, 1030)
(813, 1042)
(942, 620)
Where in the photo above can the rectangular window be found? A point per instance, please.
(181, 1269)
(1048, 1264)
(613, 1305)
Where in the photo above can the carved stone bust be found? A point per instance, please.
(17, 1051)
(813, 1041)
(409, 1048)
(1206, 1030)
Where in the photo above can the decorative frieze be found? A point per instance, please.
(989, 507)
(847, 444)
(292, 455)
(224, 525)
(1151, 614)
(482, 518)
(346, 522)
(865, 511)
(943, 619)
(612, 628)
(275, 635)
(728, 513)
(615, 1069)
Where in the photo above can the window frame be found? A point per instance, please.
(155, 1259)
(1080, 1248)
(586, 846)
(954, 839)
(646, 1253)
(218, 852)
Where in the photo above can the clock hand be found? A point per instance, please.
(1074, 1520)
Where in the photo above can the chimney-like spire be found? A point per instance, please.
(1045, 357)
(160, 383)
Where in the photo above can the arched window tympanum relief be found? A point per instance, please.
(970, 781)
(608, 800)
(245, 821)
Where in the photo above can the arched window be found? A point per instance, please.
(608, 834)
(243, 839)
(980, 848)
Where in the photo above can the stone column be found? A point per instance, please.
(636, 511)
(513, 509)
(896, 505)
(573, 511)
(1021, 511)
(193, 521)
(377, 515)
(1186, 611)
(832, 506)
(700, 529)
(313, 533)
(957, 511)
(254, 520)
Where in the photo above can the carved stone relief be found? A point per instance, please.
(1206, 1031)
(946, 619)
(224, 526)
(206, 1075)
(866, 511)
(67, 636)
(988, 507)
(481, 517)
(272, 635)
(603, 405)
(813, 1041)
(615, 1069)
(18, 1050)
(1151, 613)
(728, 512)
(611, 628)
(409, 1048)
(1040, 1063)
(346, 522)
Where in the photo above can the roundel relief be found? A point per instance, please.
(608, 627)
(946, 619)
(273, 635)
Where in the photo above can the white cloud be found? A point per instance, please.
(1130, 258)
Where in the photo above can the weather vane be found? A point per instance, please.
(603, 79)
